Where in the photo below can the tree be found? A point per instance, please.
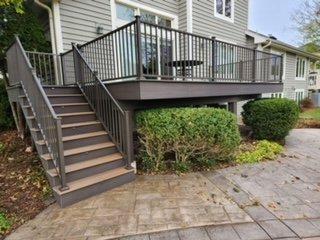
(16, 18)
(307, 19)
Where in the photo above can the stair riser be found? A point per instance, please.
(28, 111)
(78, 118)
(37, 134)
(90, 155)
(73, 99)
(42, 149)
(73, 176)
(81, 129)
(84, 142)
(62, 90)
(72, 109)
(72, 197)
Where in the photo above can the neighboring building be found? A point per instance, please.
(298, 65)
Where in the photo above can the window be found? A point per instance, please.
(300, 68)
(126, 14)
(224, 9)
(299, 95)
(277, 95)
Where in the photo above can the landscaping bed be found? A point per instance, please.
(309, 118)
(24, 189)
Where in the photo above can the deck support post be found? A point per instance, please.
(232, 107)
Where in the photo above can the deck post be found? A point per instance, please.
(254, 57)
(129, 139)
(213, 57)
(138, 47)
(232, 107)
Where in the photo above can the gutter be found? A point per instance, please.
(52, 28)
(268, 44)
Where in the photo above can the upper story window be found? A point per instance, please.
(300, 68)
(127, 13)
(224, 9)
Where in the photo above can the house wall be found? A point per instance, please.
(205, 22)
(80, 18)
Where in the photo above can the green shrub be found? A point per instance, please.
(181, 138)
(4, 224)
(270, 119)
(6, 118)
(264, 150)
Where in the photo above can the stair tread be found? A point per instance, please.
(80, 124)
(74, 114)
(65, 95)
(84, 149)
(84, 135)
(88, 163)
(78, 136)
(94, 179)
(30, 117)
(26, 106)
(69, 104)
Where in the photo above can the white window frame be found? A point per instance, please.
(130, 3)
(299, 91)
(223, 16)
(276, 95)
(305, 69)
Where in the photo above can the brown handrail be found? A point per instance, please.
(47, 120)
(114, 119)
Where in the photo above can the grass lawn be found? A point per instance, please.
(313, 114)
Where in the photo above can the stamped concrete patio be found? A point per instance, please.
(271, 200)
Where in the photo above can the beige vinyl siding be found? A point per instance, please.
(290, 83)
(79, 19)
(205, 22)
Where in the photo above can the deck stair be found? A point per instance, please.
(93, 164)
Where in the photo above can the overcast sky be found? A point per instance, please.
(275, 17)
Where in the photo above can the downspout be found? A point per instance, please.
(52, 29)
(53, 39)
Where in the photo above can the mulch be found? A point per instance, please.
(24, 189)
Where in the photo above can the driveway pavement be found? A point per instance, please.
(270, 200)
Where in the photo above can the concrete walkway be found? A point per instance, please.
(271, 200)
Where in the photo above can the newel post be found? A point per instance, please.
(138, 48)
(129, 151)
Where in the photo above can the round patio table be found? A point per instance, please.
(184, 65)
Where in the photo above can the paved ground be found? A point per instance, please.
(271, 200)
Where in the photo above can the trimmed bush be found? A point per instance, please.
(270, 119)
(263, 150)
(6, 118)
(182, 139)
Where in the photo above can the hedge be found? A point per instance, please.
(182, 139)
(270, 119)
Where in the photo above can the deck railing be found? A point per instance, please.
(21, 71)
(46, 66)
(115, 120)
(142, 50)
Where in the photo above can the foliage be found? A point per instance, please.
(311, 114)
(182, 139)
(4, 223)
(17, 4)
(6, 119)
(264, 150)
(270, 119)
(306, 103)
(26, 25)
(307, 19)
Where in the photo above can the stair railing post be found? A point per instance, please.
(62, 165)
(128, 139)
(138, 46)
